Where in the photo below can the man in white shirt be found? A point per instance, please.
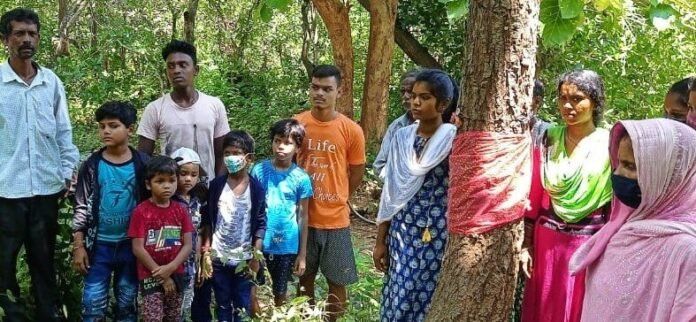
(185, 117)
(38, 158)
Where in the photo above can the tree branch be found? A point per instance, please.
(409, 44)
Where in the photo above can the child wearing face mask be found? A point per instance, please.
(235, 217)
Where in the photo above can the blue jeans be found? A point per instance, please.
(200, 307)
(232, 292)
(117, 260)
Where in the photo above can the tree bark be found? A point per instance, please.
(375, 102)
(418, 53)
(67, 16)
(478, 278)
(335, 16)
(93, 26)
(308, 35)
(409, 44)
(190, 21)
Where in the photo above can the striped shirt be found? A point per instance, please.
(36, 149)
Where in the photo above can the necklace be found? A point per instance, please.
(572, 141)
(427, 236)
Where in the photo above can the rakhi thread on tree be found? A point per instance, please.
(490, 176)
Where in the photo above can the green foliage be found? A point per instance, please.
(571, 8)
(559, 24)
(249, 57)
(68, 281)
(563, 18)
(662, 16)
(456, 9)
(602, 5)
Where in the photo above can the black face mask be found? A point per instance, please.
(627, 190)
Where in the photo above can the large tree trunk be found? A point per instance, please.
(375, 102)
(477, 281)
(334, 13)
(409, 44)
(190, 21)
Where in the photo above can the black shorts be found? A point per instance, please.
(280, 267)
(331, 251)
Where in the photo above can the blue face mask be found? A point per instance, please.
(235, 163)
(626, 190)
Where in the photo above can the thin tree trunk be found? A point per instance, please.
(93, 26)
(375, 102)
(479, 274)
(190, 21)
(335, 16)
(308, 31)
(409, 44)
(67, 16)
(175, 16)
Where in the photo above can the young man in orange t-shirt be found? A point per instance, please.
(333, 154)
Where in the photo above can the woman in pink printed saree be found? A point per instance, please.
(641, 266)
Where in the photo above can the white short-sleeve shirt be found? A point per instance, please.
(194, 127)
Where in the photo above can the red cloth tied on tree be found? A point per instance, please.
(490, 177)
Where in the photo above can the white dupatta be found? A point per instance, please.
(405, 172)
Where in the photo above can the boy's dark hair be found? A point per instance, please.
(123, 111)
(681, 88)
(692, 84)
(19, 15)
(323, 71)
(160, 164)
(288, 128)
(590, 83)
(180, 46)
(239, 139)
(539, 89)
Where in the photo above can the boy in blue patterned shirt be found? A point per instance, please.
(288, 189)
(109, 186)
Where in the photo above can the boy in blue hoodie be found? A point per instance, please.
(235, 216)
(109, 186)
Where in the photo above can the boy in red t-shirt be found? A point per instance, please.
(161, 232)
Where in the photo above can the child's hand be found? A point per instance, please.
(163, 272)
(380, 256)
(300, 265)
(205, 268)
(254, 265)
(168, 285)
(81, 260)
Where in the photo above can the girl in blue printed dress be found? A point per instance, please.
(412, 215)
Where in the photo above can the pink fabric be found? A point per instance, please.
(552, 295)
(536, 192)
(642, 265)
(490, 175)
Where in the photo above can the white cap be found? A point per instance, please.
(186, 155)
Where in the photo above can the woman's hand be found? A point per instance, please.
(380, 256)
(526, 262)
